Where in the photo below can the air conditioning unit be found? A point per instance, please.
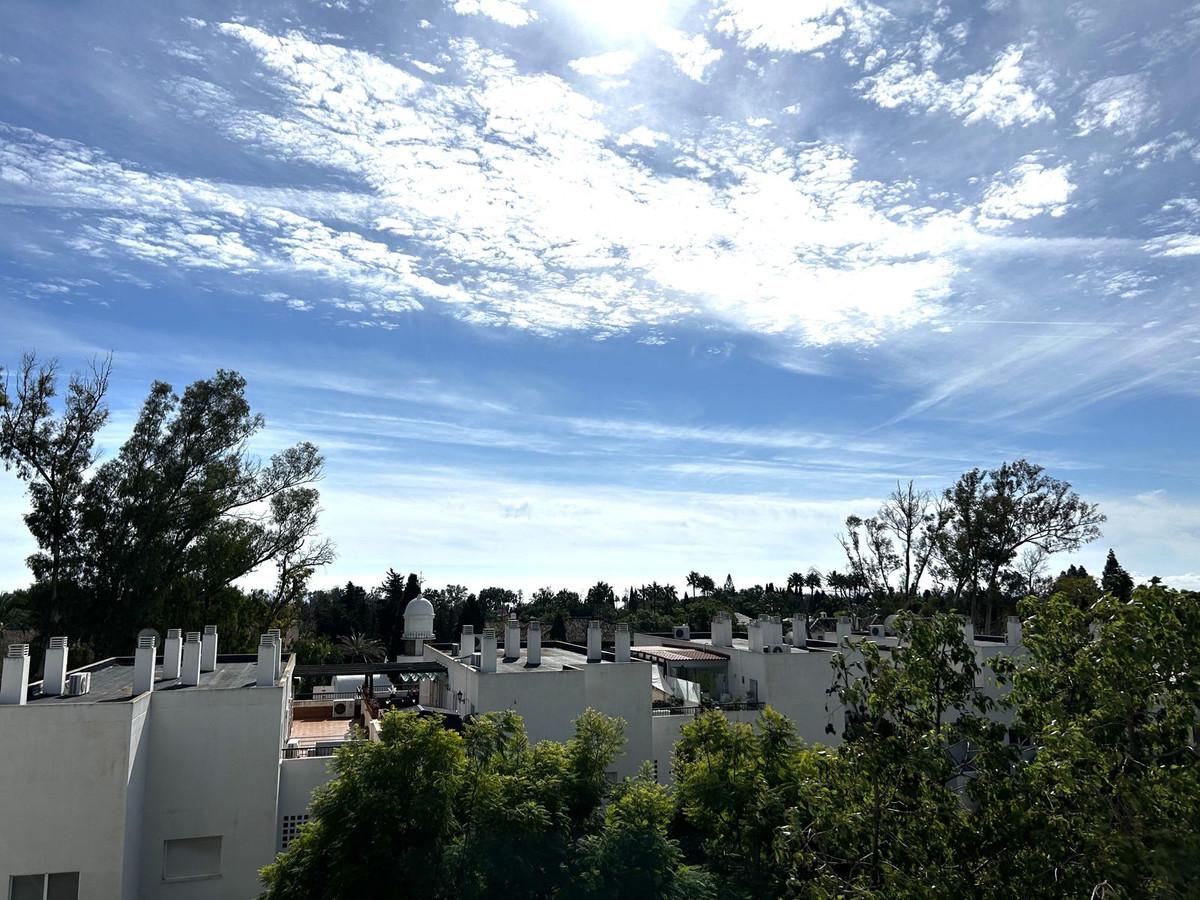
(683, 633)
(343, 709)
(877, 631)
(79, 684)
(778, 648)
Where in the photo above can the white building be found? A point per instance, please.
(180, 774)
(549, 683)
(152, 776)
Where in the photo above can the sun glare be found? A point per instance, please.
(624, 18)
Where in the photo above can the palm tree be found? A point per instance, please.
(795, 582)
(361, 646)
(693, 581)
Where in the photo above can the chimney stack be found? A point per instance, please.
(466, 643)
(843, 630)
(208, 649)
(265, 675)
(14, 680)
(533, 644)
(512, 639)
(621, 653)
(722, 630)
(54, 678)
(189, 672)
(593, 641)
(143, 665)
(1013, 638)
(799, 632)
(487, 650)
(171, 653)
(755, 632)
(968, 629)
(277, 637)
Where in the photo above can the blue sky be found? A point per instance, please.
(574, 290)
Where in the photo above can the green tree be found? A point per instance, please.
(993, 515)
(1115, 580)
(633, 856)
(394, 800)
(52, 455)
(361, 647)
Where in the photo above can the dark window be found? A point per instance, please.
(196, 857)
(54, 886)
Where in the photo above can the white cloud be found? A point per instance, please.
(618, 62)
(550, 228)
(643, 137)
(1122, 104)
(1001, 94)
(692, 54)
(513, 13)
(1028, 189)
(797, 26)
(1182, 244)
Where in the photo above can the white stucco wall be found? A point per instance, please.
(66, 772)
(214, 770)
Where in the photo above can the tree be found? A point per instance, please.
(915, 522)
(693, 581)
(173, 521)
(358, 646)
(1030, 566)
(601, 599)
(993, 515)
(465, 816)
(634, 856)
(1115, 580)
(390, 799)
(53, 457)
(729, 588)
(871, 553)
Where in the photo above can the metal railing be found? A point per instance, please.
(325, 750)
(731, 706)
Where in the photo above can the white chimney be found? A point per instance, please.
(512, 640)
(277, 637)
(799, 632)
(621, 653)
(1013, 638)
(14, 680)
(208, 649)
(143, 665)
(843, 630)
(171, 653)
(755, 630)
(968, 629)
(593, 641)
(466, 643)
(487, 650)
(533, 643)
(774, 631)
(722, 630)
(265, 676)
(189, 672)
(54, 677)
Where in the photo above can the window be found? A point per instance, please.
(291, 829)
(188, 858)
(55, 886)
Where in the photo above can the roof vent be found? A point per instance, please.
(14, 682)
(79, 683)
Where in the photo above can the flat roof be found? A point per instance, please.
(112, 680)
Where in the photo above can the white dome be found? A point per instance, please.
(418, 619)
